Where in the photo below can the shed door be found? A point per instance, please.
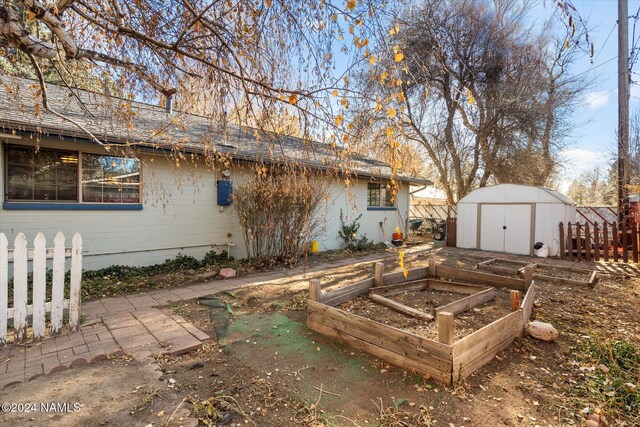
(506, 228)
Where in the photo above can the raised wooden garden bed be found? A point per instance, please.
(445, 358)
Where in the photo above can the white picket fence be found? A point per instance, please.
(21, 255)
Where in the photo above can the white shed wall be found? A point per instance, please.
(179, 215)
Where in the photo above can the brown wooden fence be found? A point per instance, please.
(426, 210)
(594, 242)
(451, 231)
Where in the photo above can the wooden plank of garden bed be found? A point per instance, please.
(559, 280)
(527, 303)
(376, 331)
(398, 288)
(469, 302)
(454, 287)
(346, 293)
(399, 360)
(497, 269)
(401, 308)
(413, 274)
(492, 279)
(462, 371)
(484, 343)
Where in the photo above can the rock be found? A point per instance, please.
(594, 417)
(227, 273)
(542, 331)
(207, 275)
(591, 423)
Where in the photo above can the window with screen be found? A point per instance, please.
(378, 195)
(41, 175)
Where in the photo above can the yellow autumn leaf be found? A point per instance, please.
(293, 98)
(31, 15)
(392, 112)
(338, 120)
(351, 4)
(378, 106)
(335, 92)
(389, 132)
(470, 97)
(344, 102)
(399, 56)
(372, 59)
(268, 3)
(401, 97)
(383, 76)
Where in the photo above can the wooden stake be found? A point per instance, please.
(432, 264)
(400, 308)
(445, 327)
(561, 240)
(528, 275)
(515, 300)
(378, 273)
(314, 290)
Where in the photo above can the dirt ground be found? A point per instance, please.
(268, 369)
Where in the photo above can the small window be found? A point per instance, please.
(378, 195)
(108, 179)
(42, 175)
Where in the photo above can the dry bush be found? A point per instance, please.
(279, 215)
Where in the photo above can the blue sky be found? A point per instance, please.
(593, 141)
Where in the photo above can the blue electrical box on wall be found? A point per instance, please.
(225, 191)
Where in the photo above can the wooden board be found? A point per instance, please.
(383, 353)
(478, 277)
(346, 293)
(378, 331)
(485, 341)
(527, 303)
(455, 287)
(401, 308)
(462, 371)
(497, 269)
(559, 280)
(398, 277)
(469, 302)
(398, 288)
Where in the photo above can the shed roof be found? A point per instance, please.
(153, 127)
(515, 193)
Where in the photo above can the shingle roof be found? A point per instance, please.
(119, 121)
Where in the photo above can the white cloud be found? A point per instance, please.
(597, 99)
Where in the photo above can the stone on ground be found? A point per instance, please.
(542, 331)
(227, 273)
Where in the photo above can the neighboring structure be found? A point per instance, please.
(512, 218)
(155, 193)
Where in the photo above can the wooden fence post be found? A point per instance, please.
(432, 264)
(587, 242)
(20, 287)
(634, 241)
(39, 285)
(578, 242)
(614, 237)
(561, 240)
(378, 273)
(4, 287)
(625, 242)
(570, 236)
(596, 241)
(515, 300)
(445, 327)
(57, 286)
(605, 238)
(75, 282)
(314, 290)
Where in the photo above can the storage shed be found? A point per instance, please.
(511, 218)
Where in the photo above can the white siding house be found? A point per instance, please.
(512, 218)
(159, 210)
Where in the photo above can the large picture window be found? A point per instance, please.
(378, 195)
(46, 175)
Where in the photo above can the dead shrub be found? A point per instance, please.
(279, 215)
